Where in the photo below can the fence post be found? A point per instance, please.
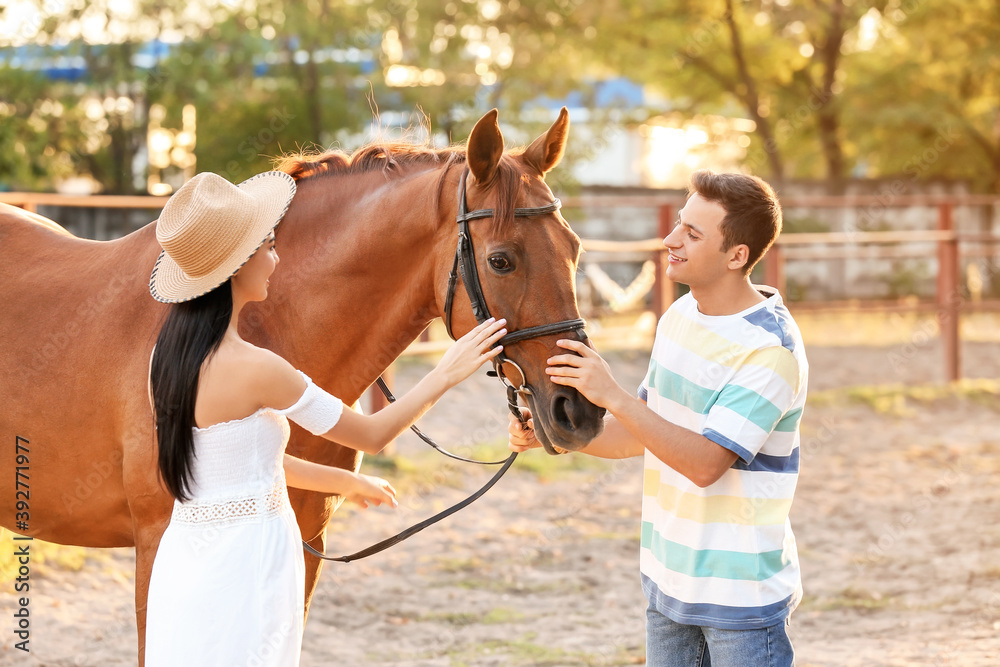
(774, 269)
(663, 287)
(28, 204)
(949, 298)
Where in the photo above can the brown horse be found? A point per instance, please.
(366, 248)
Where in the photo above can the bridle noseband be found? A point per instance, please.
(465, 265)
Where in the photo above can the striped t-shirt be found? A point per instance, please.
(724, 556)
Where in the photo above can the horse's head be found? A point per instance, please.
(526, 267)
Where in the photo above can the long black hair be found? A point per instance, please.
(192, 331)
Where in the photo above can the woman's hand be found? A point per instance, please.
(366, 489)
(471, 351)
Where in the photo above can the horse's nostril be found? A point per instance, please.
(561, 407)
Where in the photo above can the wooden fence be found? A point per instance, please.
(947, 305)
(949, 299)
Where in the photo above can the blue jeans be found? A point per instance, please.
(672, 644)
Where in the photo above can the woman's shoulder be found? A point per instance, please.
(272, 380)
(277, 381)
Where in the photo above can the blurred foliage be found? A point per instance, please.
(899, 400)
(909, 277)
(836, 88)
(934, 88)
(46, 557)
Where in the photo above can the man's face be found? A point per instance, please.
(695, 244)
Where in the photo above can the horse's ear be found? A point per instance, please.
(485, 148)
(545, 152)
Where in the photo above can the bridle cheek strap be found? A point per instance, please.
(465, 264)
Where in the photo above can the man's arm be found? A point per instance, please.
(689, 453)
(631, 427)
(614, 442)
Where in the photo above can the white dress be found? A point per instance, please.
(228, 581)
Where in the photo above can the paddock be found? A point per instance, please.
(894, 519)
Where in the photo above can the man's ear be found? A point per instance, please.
(739, 255)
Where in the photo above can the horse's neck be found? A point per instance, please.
(359, 282)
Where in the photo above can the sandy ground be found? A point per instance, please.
(897, 518)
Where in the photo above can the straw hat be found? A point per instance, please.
(210, 228)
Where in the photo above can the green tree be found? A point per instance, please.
(784, 65)
(929, 101)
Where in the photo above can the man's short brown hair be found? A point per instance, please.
(753, 213)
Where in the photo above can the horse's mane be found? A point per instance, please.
(392, 157)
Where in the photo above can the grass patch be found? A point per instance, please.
(849, 598)
(524, 650)
(899, 399)
(547, 467)
(421, 472)
(410, 471)
(460, 618)
(498, 585)
(45, 557)
(502, 615)
(472, 564)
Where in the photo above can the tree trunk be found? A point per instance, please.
(827, 120)
(752, 99)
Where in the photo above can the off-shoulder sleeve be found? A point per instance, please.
(317, 411)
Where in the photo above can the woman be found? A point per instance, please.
(227, 585)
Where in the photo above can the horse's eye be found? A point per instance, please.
(500, 263)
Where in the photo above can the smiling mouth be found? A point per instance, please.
(675, 258)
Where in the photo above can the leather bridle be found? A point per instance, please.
(465, 266)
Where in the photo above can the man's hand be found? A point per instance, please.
(588, 373)
(522, 439)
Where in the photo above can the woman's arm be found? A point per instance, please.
(355, 487)
(278, 384)
(371, 433)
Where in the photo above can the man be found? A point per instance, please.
(717, 419)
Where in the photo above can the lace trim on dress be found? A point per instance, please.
(227, 511)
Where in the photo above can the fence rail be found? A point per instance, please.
(30, 201)
(948, 299)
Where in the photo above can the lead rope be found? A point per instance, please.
(465, 265)
(430, 441)
(413, 530)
